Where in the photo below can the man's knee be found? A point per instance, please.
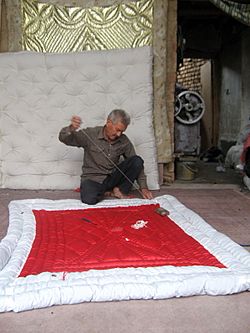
(137, 162)
(90, 192)
(89, 201)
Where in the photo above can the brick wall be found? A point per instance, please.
(189, 75)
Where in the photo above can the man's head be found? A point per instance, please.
(117, 122)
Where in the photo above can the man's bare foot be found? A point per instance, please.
(118, 194)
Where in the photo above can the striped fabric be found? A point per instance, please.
(240, 11)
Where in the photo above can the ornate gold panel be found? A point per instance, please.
(53, 28)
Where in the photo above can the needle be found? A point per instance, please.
(87, 220)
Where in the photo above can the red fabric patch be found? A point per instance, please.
(102, 238)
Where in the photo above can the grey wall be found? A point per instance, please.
(230, 92)
(245, 102)
(234, 94)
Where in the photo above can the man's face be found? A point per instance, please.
(114, 130)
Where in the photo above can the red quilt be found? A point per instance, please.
(102, 238)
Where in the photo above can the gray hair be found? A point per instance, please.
(119, 115)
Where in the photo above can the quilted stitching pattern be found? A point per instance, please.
(78, 240)
(40, 92)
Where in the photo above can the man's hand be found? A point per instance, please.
(146, 193)
(75, 122)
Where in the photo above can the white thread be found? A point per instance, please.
(139, 224)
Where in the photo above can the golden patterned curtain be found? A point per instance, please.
(85, 3)
(163, 106)
(55, 28)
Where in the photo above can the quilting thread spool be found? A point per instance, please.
(162, 211)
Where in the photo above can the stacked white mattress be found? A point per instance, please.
(40, 92)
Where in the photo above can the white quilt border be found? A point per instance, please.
(47, 289)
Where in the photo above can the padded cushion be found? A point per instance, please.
(40, 92)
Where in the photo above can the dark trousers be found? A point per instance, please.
(247, 163)
(92, 192)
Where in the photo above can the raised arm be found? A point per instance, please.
(69, 136)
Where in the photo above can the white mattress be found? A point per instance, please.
(39, 93)
(47, 289)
